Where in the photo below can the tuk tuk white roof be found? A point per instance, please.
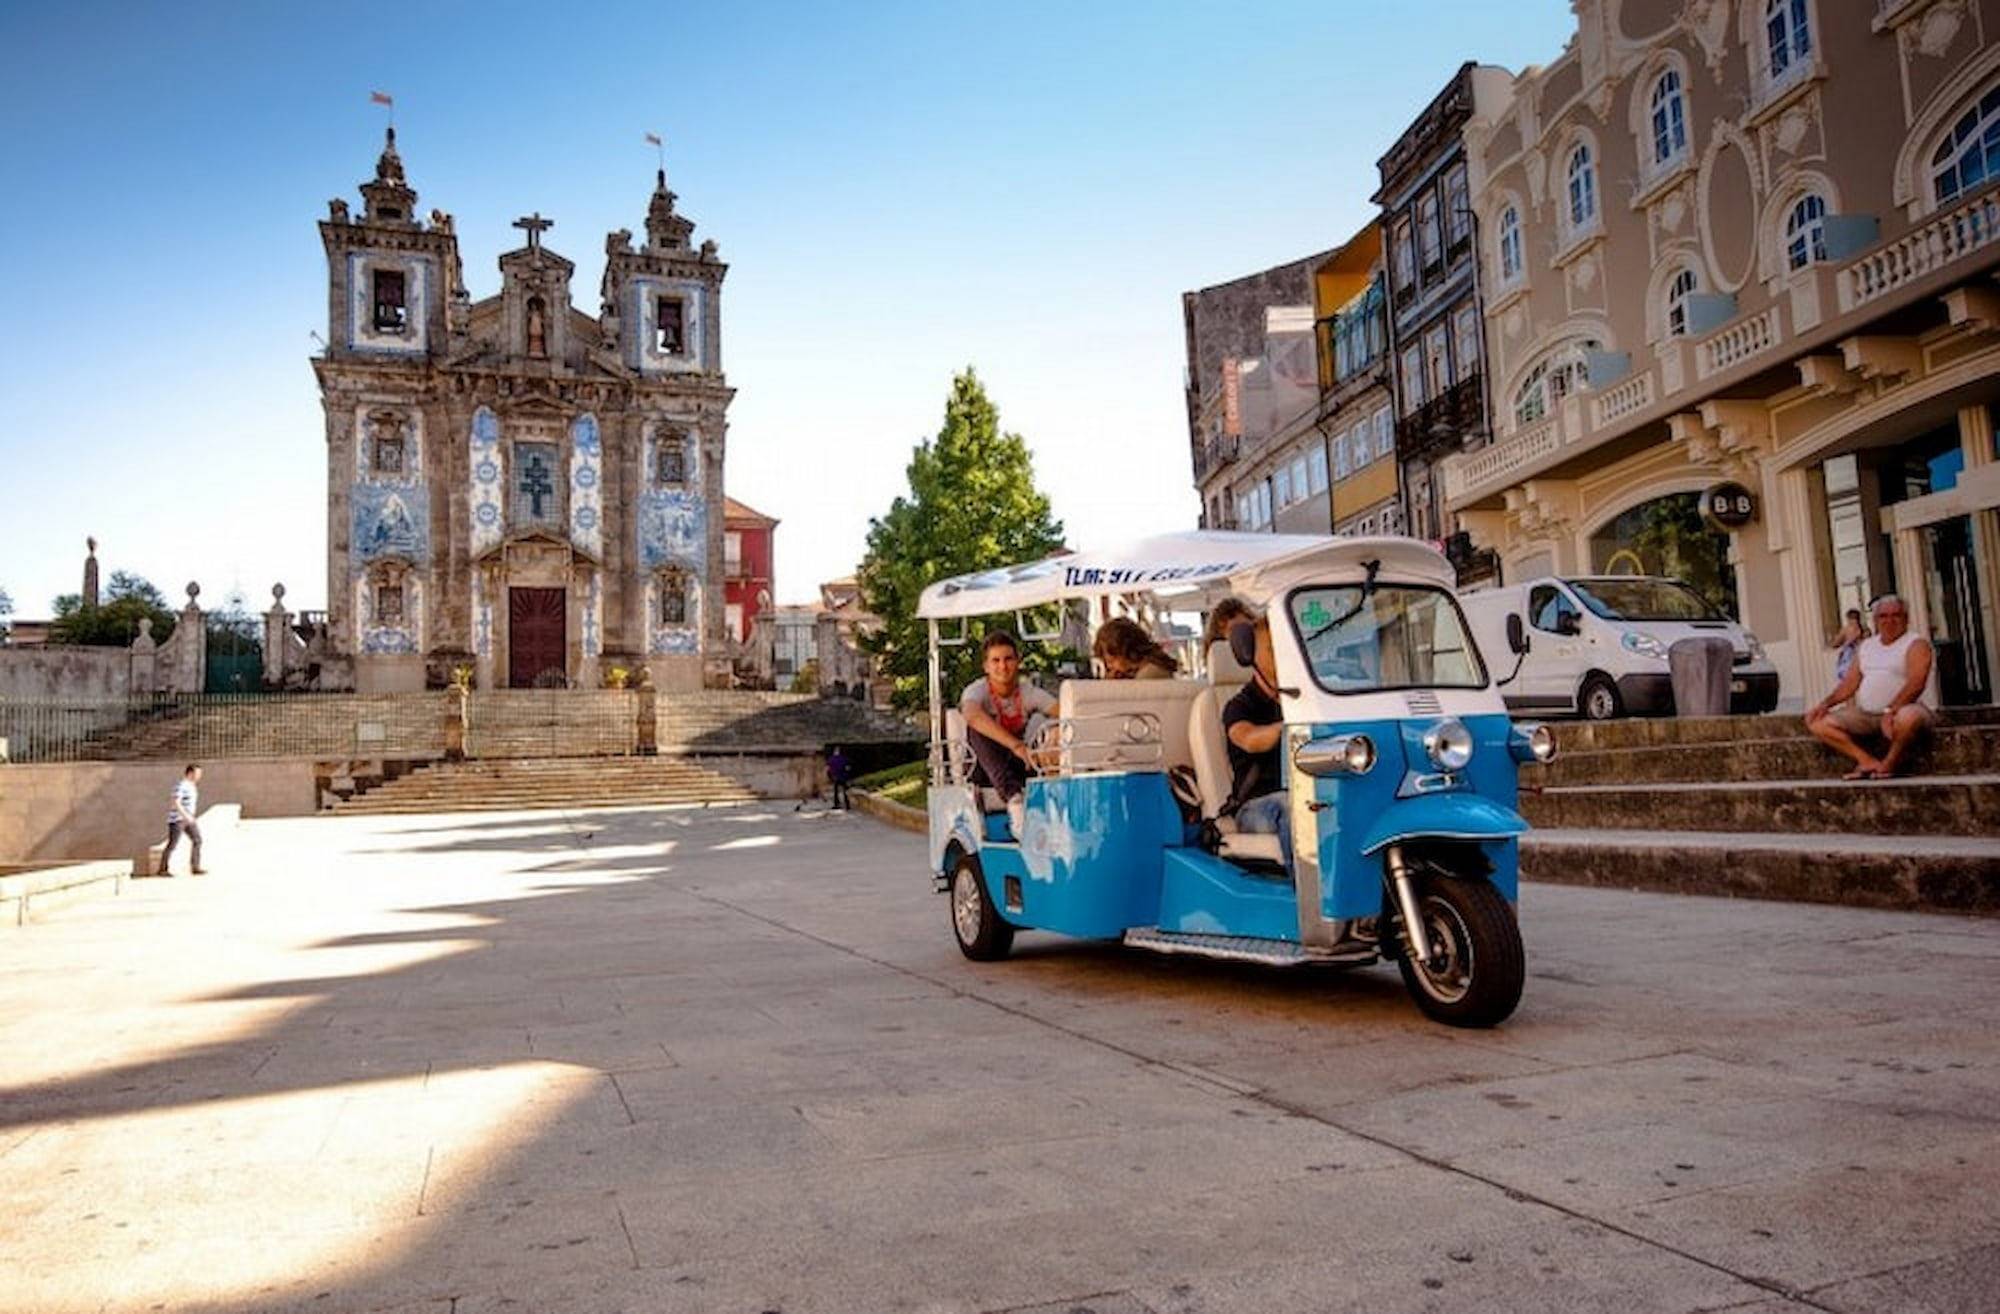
(1199, 565)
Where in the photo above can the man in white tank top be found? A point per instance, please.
(1879, 700)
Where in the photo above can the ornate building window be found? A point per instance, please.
(673, 597)
(1457, 207)
(1669, 118)
(1582, 176)
(1788, 38)
(1413, 379)
(1970, 153)
(1429, 239)
(1406, 259)
(391, 309)
(1465, 339)
(1685, 285)
(1557, 375)
(670, 460)
(1510, 245)
(670, 326)
(1805, 232)
(387, 454)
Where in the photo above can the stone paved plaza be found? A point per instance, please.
(730, 1060)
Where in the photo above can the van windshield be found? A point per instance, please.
(1398, 636)
(1644, 600)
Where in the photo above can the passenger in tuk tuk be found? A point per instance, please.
(1254, 723)
(1225, 614)
(1003, 714)
(1126, 652)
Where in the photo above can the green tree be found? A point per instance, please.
(113, 623)
(972, 505)
(6, 610)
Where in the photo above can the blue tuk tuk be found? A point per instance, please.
(1400, 766)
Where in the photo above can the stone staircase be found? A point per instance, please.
(1754, 806)
(743, 720)
(523, 783)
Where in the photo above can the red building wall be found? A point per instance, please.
(752, 574)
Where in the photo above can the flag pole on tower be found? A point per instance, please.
(385, 100)
(653, 140)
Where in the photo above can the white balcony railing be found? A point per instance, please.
(1472, 470)
(1737, 343)
(1615, 403)
(1950, 236)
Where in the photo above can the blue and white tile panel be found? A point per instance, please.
(489, 518)
(586, 486)
(663, 639)
(364, 471)
(379, 640)
(388, 520)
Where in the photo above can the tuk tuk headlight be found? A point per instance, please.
(1533, 743)
(1450, 745)
(1756, 648)
(1336, 755)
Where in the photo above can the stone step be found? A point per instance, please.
(1952, 750)
(1913, 873)
(1929, 805)
(1646, 732)
(534, 805)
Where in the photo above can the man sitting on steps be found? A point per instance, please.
(1880, 699)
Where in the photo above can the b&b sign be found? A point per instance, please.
(1728, 506)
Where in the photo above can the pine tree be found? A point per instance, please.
(972, 505)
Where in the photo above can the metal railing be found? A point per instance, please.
(194, 727)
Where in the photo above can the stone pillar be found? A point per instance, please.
(277, 636)
(1908, 545)
(1804, 662)
(1975, 435)
(144, 677)
(191, 640)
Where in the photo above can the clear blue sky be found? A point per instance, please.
(900, 190)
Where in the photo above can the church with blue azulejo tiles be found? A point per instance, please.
(513, 485)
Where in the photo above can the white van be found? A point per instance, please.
(1597, 645)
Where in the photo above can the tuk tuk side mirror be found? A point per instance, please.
(1517, 634)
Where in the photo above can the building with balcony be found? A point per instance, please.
(1751, 245)
(1432, 284)
(1253, 393)
(1356, 412)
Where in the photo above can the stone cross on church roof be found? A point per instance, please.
(535, 226)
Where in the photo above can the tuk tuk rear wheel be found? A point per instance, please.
(1476, 976)
(976, 924)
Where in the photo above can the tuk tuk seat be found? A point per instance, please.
(1210, 747)
(1098, 710)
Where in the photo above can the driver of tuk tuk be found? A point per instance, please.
(1003, 714)
(1255, 724)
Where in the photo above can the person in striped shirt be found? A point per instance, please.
(180, 820)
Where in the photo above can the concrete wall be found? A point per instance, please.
(65, 673)
(111, 809)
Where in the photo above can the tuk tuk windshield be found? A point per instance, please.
(1393, 636)
(1644, 600)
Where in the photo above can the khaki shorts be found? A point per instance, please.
(1857, 723)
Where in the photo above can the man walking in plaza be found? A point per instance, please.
(1880, 698)
(838, 772)
(180, 820)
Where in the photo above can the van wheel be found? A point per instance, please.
(1476, 978)
(1598, 699)
(982, 935)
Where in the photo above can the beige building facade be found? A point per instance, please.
(1752, 243)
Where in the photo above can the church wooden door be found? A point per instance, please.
(536, 637)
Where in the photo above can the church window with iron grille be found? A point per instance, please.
(537, 487)
(391, 309)
(389, 603)
(673, 597)
(389, 454)
(670, 468)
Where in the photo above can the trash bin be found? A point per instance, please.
(1700, 670)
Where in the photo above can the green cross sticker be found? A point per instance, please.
(1315, 615)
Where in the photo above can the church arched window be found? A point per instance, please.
(1557, 375)
(1969, 155)
(1805, 232)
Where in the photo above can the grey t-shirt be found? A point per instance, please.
(1026, 702)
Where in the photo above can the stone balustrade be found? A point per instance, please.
(1950, 236)
(1747, 337)
(1628, 398)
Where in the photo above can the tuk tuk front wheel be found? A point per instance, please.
(982, 935)
(1475, 975)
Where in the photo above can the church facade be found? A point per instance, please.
(513, 485)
